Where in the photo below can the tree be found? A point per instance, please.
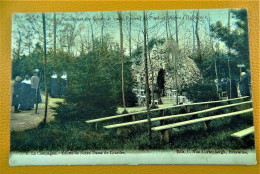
(45, 67)
(151, 65)
(122, 59)
(146, 78)
(235, 39)
(94, 85)
(176, 57)
(166, 24)
(130, 35)
(198, 38)
(54, 32)
(176, 26)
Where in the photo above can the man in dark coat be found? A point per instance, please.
(16, 94)
(244, 84)
(35, 84)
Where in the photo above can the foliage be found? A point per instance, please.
(94, 78)
(236, 39)
(95, 84)
(210, 57)
(22, 65)
(201, 91)
(137, 55)
(153, 41)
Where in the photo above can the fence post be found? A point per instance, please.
(96, 126)
(206, 125)
(133, 117)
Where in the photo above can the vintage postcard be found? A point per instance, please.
(131, 87)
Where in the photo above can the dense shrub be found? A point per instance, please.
(201, 91)
(94, 84)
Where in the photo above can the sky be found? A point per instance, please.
(156, 27)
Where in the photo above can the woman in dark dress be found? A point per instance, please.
(64, 84)
(54, 86)
(17, 94)
(27, 96)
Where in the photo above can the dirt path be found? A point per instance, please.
(28, 119)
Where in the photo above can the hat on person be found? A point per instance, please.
(36, 70)
(243, 73)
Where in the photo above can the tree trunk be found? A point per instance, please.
(69, 45)
(176, 56)
(130, 36)
(122, 58)
(29, 43)
(146, 79)
(229, 71)
(176, 25)
(193, 35)
(45, 68)
(88, 42)
(102, 28)
(166, 24)
(54, 33)
(215, 60)
(198, 38)
(151, 67)
(19, 45)
(92, 36)
(37, 96)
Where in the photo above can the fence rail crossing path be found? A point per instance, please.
(159, 109)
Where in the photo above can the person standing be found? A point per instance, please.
(27, 101)
(223, 84)
(35, 80)
(64, 84)
(54, 86)
(16, 94)
(244, 84)
(219, 87)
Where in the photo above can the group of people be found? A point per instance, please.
(58, 85)
(231, 89)
(26, 92)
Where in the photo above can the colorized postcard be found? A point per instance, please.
(131, 87)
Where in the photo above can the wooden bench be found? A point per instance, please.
(165, 128)
(145, 111)
(243, 132)
(174, 116)
(184, 123)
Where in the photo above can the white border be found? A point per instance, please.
(232, 157)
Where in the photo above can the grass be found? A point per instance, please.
(78, 135)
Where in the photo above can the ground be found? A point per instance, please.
(28, 119)
(167, 102)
